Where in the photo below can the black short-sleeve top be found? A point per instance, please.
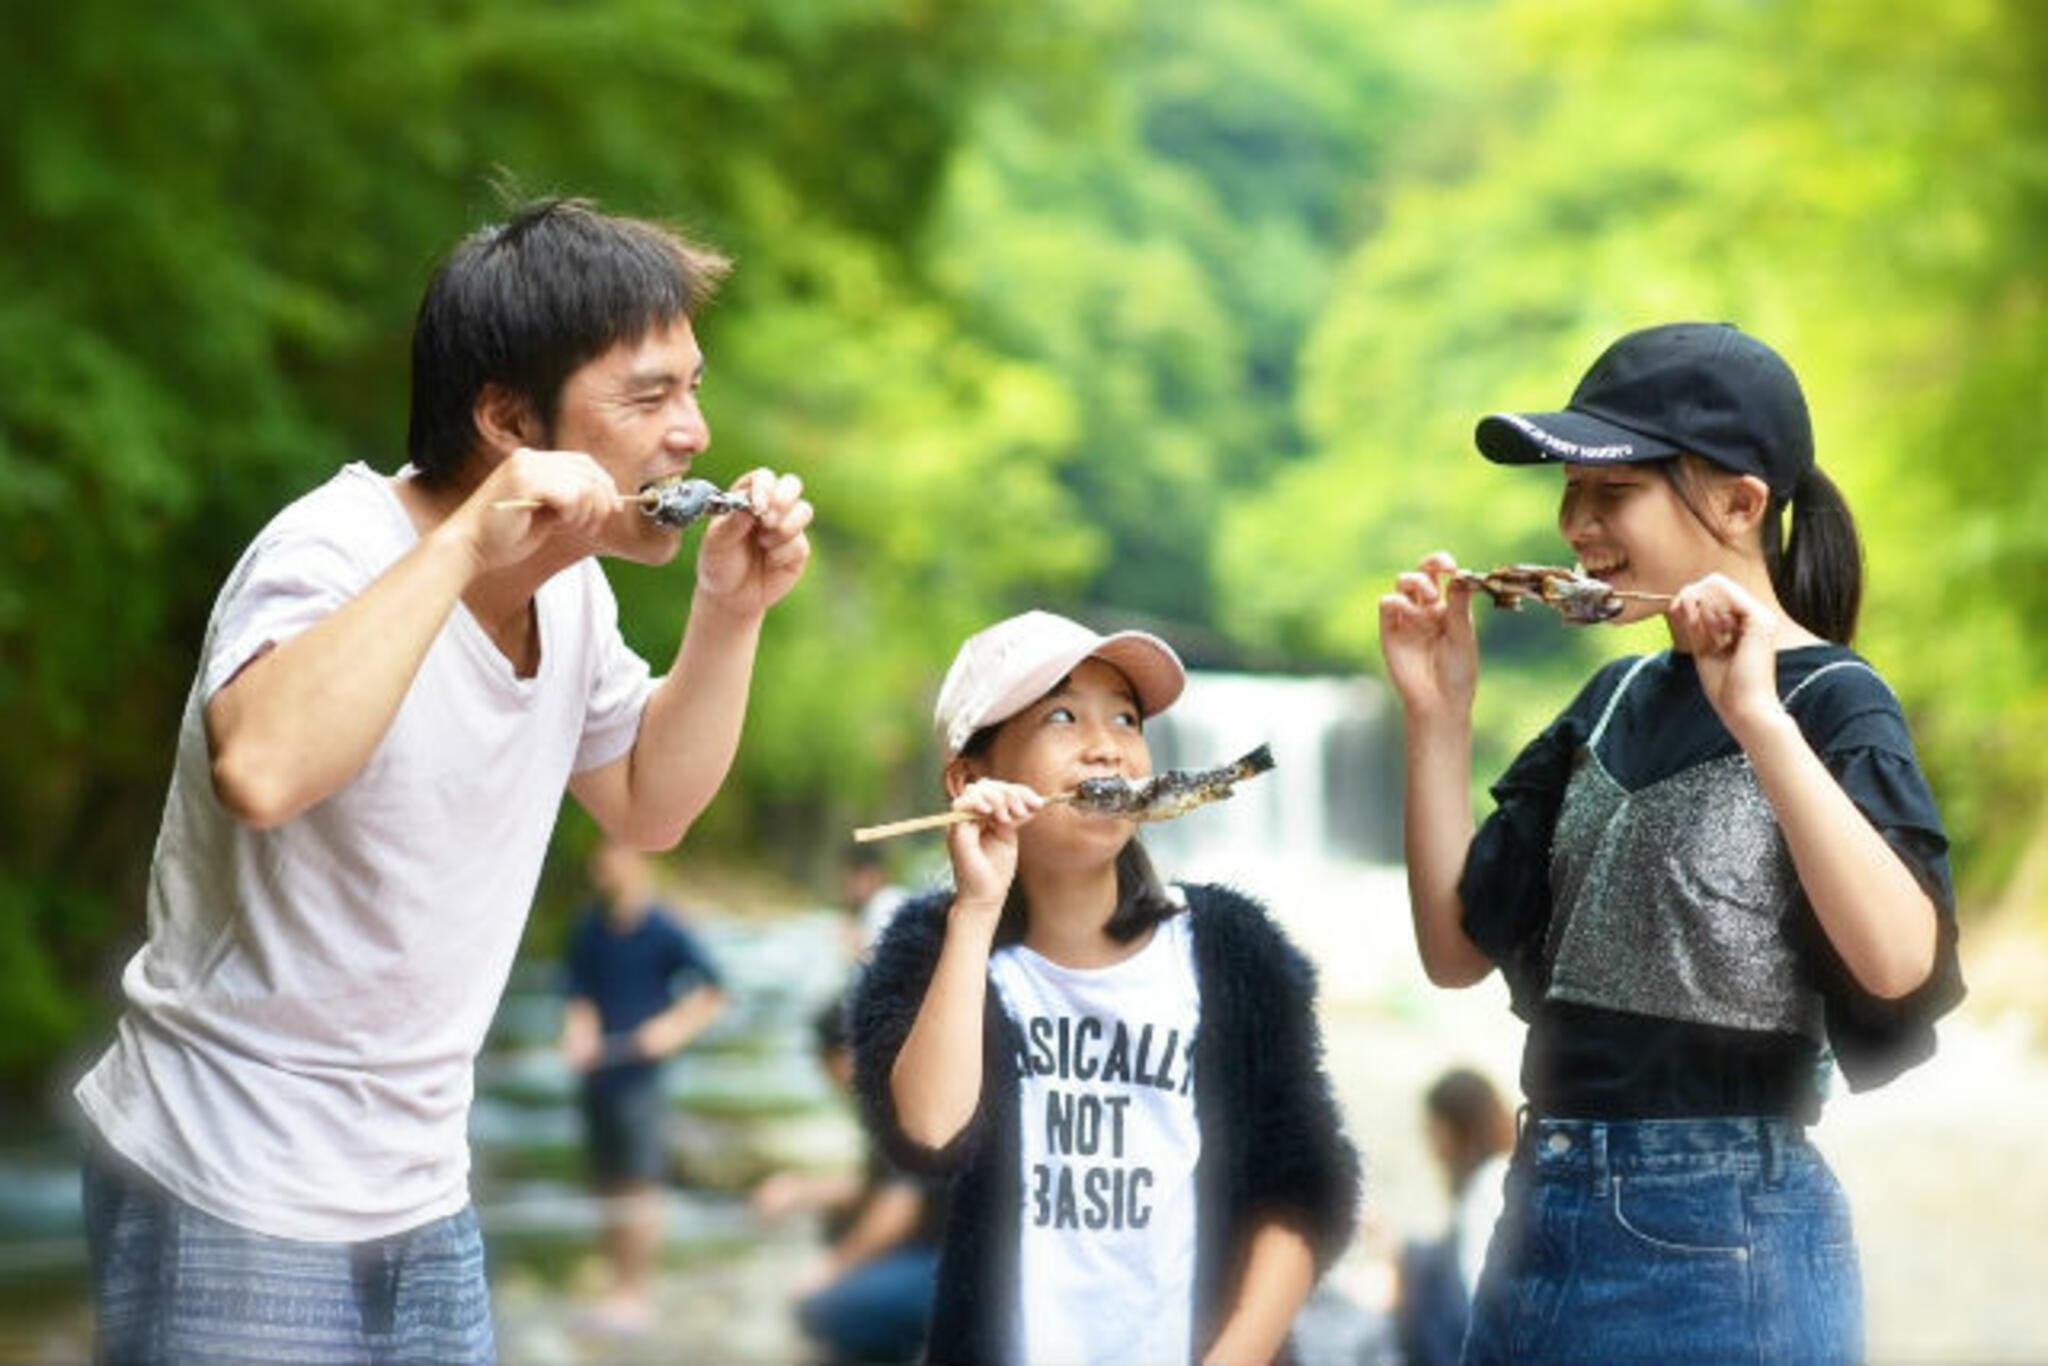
(1635, 890)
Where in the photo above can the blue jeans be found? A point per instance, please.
(877, 1312)
(172, 1284)
(1710, 1241)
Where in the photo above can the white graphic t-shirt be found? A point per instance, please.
(1109, 1148)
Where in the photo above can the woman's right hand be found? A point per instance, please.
(984, 850)
(1427, 640)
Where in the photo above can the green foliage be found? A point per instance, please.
(1177, 309)
(1874, 208)
(1167, 275)
(218, 223)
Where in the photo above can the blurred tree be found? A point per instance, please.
(1182, 309)
(1168, 276)
(218, 222)
(1874, 208)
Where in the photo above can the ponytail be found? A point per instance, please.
(1818, 572)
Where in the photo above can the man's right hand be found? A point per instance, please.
(574, 494)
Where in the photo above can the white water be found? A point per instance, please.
(1332, 793)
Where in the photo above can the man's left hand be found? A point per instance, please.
(750, 560)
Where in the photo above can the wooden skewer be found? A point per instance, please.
(530, 504)
(1479, 581)
(867, 834)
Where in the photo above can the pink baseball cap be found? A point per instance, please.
(1004, 669)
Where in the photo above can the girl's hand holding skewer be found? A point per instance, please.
(1427, 639)
(984, 850)
(1734, 643)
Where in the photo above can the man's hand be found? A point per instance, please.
(750, 560)
(574, 494)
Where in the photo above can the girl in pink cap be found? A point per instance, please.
(1122, 1077)
(1716, 878)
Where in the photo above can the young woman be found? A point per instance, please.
(1123, 1077)
(1717, 872)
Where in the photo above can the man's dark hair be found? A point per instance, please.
(523, 303)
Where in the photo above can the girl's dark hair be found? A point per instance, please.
(1818, 571)
(523, 303)
(1141, 899)
(1474, 1116)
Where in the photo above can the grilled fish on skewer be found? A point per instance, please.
(678, 502)
(1157, 798)
(1579, 598)
(1163, 796)
(674, 502)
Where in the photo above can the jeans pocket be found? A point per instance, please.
(1810, 1290)
(1682, 1218)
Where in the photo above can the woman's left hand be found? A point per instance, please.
(1733, 639)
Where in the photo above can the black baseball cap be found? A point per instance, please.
(1708, 388)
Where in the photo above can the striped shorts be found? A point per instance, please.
(172, 1284)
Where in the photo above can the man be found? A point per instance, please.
(640, 989)
(399, 680)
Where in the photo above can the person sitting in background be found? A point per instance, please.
(1471, 1134)
(640, 989)
(870, 1297)
(868, 895)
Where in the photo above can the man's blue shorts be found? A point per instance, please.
(173, 1284)
(623, 1128)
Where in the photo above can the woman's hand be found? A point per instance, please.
(984, 850)
(1733, 639)
(1427, 640)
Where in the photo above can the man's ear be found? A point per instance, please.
(505, 421)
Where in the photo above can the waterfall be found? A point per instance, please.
(1333, 794)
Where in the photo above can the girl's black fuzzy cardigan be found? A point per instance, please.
(1272, 1138)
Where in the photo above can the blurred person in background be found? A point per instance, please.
(868, 895)
(400, 679)
(1470, 1133)
(640, 989)
(869, 1298)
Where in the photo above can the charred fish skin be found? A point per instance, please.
(1582, 601)
(1579, 599)
(678, 502)
(1172, 793)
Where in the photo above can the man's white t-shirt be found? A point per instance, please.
(1109, 1144)
(296, 1056)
